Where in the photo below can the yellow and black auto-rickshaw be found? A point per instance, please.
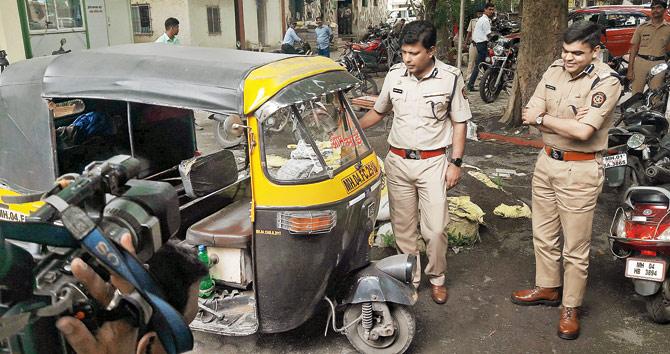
(287, 212)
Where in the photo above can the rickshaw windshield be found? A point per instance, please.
(311, 140)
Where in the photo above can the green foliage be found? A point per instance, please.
(447, 12)
(388, 239)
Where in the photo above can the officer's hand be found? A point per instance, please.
(529, 115)
(581, 113)
(112, 337)
(453, 176)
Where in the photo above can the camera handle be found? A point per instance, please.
(173, 332)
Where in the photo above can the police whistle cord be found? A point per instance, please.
(173, 332)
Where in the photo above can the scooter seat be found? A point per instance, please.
(229, 227)
(648, 196)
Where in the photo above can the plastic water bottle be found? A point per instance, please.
(207, 283)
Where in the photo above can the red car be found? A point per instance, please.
(620, 22)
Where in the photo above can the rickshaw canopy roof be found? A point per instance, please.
(210, 79)
(216, 80)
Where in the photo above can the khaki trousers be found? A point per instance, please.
(414, 185)
(472, 56)
(564, 198)
(641, 70)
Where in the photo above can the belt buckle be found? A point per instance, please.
(413, 154)
(557, 154)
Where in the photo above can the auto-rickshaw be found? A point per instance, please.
(285, 215)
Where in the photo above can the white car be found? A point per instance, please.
(395, 15)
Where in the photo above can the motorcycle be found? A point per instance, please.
(303, 49)
(356, 67)
(638, 150)
(499, 74)
(640, 236)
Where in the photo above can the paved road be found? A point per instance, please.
(479, 316)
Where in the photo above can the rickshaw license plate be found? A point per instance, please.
(615, 160)
(645, 269)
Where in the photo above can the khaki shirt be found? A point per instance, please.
(471, 25)
(560, 96)
(653, 39)
(416, 104)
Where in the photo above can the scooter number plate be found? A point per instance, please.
(615, 160)
(645, 269)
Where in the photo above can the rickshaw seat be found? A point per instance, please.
(229, 227)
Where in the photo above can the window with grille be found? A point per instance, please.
(52, 15)
(365, 3)
(213, 20)
(141, 16)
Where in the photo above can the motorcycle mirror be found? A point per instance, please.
(657, 69)
(635, 141)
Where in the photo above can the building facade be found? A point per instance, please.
(31, 28)
(364, 12)
(211, 23)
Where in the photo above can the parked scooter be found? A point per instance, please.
(640, 236)
(301, 48)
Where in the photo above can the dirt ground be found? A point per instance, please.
(479, 317)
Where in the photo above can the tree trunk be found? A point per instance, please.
(429, 9)
(542, 27)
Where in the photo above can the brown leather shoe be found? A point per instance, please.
(568, 325)
(439, 293)
(537, 296)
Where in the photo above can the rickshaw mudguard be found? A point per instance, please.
(372, 285)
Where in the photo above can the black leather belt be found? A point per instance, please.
(651, 57)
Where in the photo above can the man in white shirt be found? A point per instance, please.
(472, 50)
(171, 32)
(480, 37)
(289, 40)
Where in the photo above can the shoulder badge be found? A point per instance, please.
(598, 99)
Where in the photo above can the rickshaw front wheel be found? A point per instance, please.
(403, 323)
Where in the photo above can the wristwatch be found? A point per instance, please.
(457, 162)
(539, 119)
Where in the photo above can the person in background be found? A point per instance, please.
(323, 37)
(171, 32)
(648, 48)
(480, 35)
(397, 27)
(290, 38)
(472, 49)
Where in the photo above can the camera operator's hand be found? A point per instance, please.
(112, 337)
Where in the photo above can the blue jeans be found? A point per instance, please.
(324, 52)
(482, 50)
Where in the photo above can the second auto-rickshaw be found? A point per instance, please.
(286, 214)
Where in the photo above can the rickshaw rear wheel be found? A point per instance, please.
(398, 343)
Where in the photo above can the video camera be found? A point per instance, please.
(86, 219)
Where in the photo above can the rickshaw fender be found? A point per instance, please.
(373, 285)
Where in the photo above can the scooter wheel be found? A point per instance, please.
(658, 308)
(398, 343)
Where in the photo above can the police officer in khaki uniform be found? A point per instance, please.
(472, 49)
(572, 107)
(430, 111)
(648, 48)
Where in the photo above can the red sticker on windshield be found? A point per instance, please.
(598, 99)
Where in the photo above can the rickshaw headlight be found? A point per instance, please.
(401, 267)
(307, 222)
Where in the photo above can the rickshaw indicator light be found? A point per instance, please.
(308, 222)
